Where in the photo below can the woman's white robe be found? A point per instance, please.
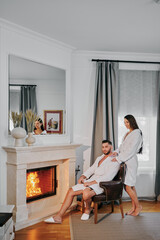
(105, 172)
(127, 152)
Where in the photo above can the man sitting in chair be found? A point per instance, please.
(103, 169)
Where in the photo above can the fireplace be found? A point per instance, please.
(21, 161)
(40, 183)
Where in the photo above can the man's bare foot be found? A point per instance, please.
(57, 218)
(137, 211)
(53, 220)
(130, 211)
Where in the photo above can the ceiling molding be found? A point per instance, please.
(19, 29)
(151, 57)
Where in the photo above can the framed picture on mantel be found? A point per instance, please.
(53, 121)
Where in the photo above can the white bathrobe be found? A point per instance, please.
(127, 153)
(105, 172)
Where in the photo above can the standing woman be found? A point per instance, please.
(127, 152)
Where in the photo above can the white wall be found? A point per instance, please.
(83, 80)
(21, 42)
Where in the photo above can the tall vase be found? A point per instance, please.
(30, 139)
(18, 134)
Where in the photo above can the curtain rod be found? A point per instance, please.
(21, 85)
(122, 61)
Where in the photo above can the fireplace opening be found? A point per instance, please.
(40, 183)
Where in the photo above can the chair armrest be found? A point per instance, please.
(112, 189)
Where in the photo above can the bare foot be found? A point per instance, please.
(130, 211)
(53, 220)
(137, 211)
(57, 218)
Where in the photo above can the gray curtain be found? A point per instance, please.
(28, 101)
(157, 180)
(105, 122)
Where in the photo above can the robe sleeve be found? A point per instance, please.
(131, 148)
(91, 169)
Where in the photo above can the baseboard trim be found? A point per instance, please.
(140, 198)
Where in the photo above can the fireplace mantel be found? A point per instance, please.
(40, 147)
(32, 154)
(19, 160)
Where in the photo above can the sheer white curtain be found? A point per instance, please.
(138, 96)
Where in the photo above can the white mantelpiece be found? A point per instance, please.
(19, 159)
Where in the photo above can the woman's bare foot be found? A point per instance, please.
(137, 211)
(130, 211)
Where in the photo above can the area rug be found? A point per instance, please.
(113, 227)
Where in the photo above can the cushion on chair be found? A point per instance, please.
(99, 198)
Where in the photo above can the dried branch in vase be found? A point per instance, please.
(30, 119)
(16, 118)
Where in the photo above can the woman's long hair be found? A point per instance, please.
(133, 124)
(40, 121)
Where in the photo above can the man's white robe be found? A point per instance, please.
(105, 172)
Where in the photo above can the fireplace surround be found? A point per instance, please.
(22, 160)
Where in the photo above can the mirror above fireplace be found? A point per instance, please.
(36, 86)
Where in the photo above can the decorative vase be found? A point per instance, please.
(18, 134)
(30, 139)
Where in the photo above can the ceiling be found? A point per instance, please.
(94, 25)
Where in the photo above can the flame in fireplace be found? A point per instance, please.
(32, 181)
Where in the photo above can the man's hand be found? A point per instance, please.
(114, 154)
(114, 160)
(81, 179)
(87, 184)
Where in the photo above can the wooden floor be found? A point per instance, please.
(43, 231)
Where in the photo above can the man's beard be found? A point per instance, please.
(107, 152)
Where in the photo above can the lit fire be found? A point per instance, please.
(32, 182)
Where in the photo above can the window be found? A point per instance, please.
(138, 96)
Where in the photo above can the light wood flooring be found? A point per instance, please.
(43, 231)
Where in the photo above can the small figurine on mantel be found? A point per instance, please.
(39, 128)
